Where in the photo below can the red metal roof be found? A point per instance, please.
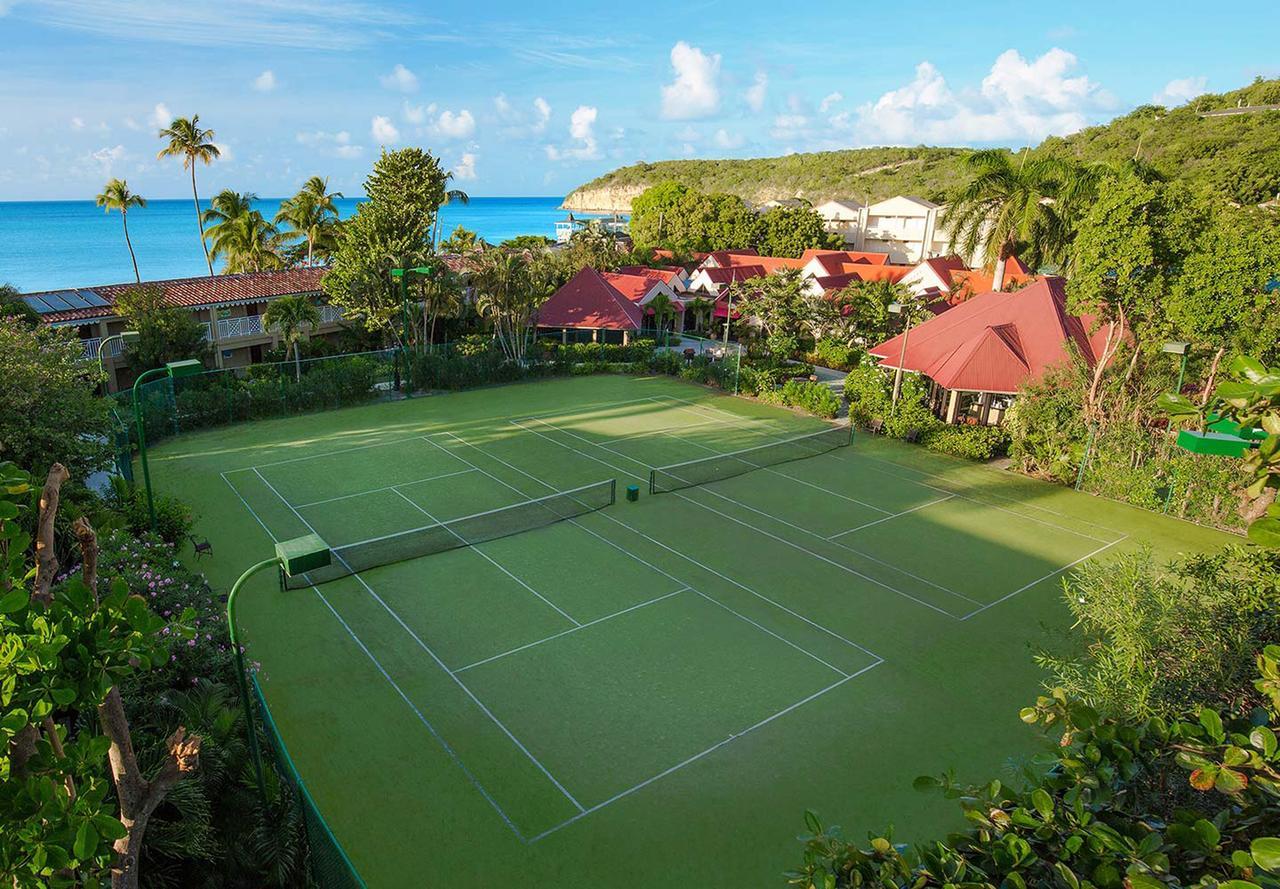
(202, 291)
(589, 301)
(996, 341)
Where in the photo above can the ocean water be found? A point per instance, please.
(50, 244)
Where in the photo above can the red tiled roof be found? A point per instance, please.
(202, 291)
(996, 341)
(853, 273)
(589, 301)
(834, 260)
(668, 274)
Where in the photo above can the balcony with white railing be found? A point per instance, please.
(245, 325)
(94, 344)
(208, 330)
(330, 314)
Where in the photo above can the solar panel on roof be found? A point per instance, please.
(58, 301)
(38, 304)
(92, 298)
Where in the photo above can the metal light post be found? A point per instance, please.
(403, 275)
(1178, 348)
(126, 337)
(898, 308)
(292, 557)
(173, 369)
(728, 319)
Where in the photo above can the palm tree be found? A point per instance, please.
(450, 196)
(441, 295)
(187, 140)
(290, 314)
(701, 308)
(509, 288)
(1010, 206)
(312, 215)
(662, 308)
(240, 233)
(116, 196)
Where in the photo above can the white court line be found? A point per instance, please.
(736, 521)
(475, 782)
(866, 555)
(889, 517)
(492, 561)
(703, 753)
(978, 500)
(649, 432)
(395, 488)
(685, 556)
(590, 623)
(803, 651)
(435, 657)
(378, 444)
(1028, 586)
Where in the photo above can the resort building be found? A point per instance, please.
(843, 218)
(907, 229)
(977, 354)
(611, 306)
(230, 307)
(948, 278)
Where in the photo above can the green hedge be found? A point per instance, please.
(971, 442)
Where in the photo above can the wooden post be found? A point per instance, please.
(953, 404)
(984, 410)
(595, 335)
(564, 336)
(626, 337)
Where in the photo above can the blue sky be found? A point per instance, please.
(532, 99)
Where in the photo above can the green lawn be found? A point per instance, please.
(651, 694)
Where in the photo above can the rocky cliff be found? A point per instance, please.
(606, 199)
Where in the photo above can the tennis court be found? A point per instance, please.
(511, 668)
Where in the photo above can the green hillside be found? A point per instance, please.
(1236, 154)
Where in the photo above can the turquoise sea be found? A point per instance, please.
(51, 244)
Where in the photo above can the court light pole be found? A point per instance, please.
(402, 276)
(126, 337)
(898, 308)
(292, 557)
(174, 370)
(1178, 348)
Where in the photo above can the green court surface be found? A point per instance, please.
(650, 694)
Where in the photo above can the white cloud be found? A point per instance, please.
(401, 79)
(455, 126)
(77, 123)
(338, 144)
(106, 158)
(265, 82)
(724, 139)
(829, 100)
(788, 126)
(465, 169)
(132, 123)
(503, 107)
(383, 131)
(696, 90)
(1017, 100)
(756, 92)
(543, 110)
(161, 116)
(581, 129)
(418, 114)
(688, 133)
(1181, 91)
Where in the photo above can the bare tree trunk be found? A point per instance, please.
(46, 556)
(1213, 372)
(138, 796)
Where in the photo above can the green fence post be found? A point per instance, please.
(238, 650)
(1084, 461)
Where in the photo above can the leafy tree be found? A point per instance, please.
(187, 140)
(63, 726)
(653, 211)
(392, 229)
(780, 304)
(789, 231)
(312, 217)
(509, 289)
(533, 243)
(117, 196)
(292, 315)
(590, 246)
(462, 240)
(1012, 206)
(50, 408)
(860, 314)
(165, 333)
(13, 307)
(701, 308)
(662, 309)
(240, 234)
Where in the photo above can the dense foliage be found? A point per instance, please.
(1165, 640)
(165, 332)
(49, 410)
(1235, 157)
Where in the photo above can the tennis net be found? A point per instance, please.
(677, 476)
(465, 531)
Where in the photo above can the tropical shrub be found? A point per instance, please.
(1109, 810)
(869, 393)
(174, 518)
(1046, 425)
(835, 353)
(970, 442)
(815, 398)
(1162, 640)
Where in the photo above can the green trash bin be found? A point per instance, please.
(633, 493)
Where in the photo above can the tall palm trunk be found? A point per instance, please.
(124, 217)
(297, 361)
(311, 241)
(195, 198)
